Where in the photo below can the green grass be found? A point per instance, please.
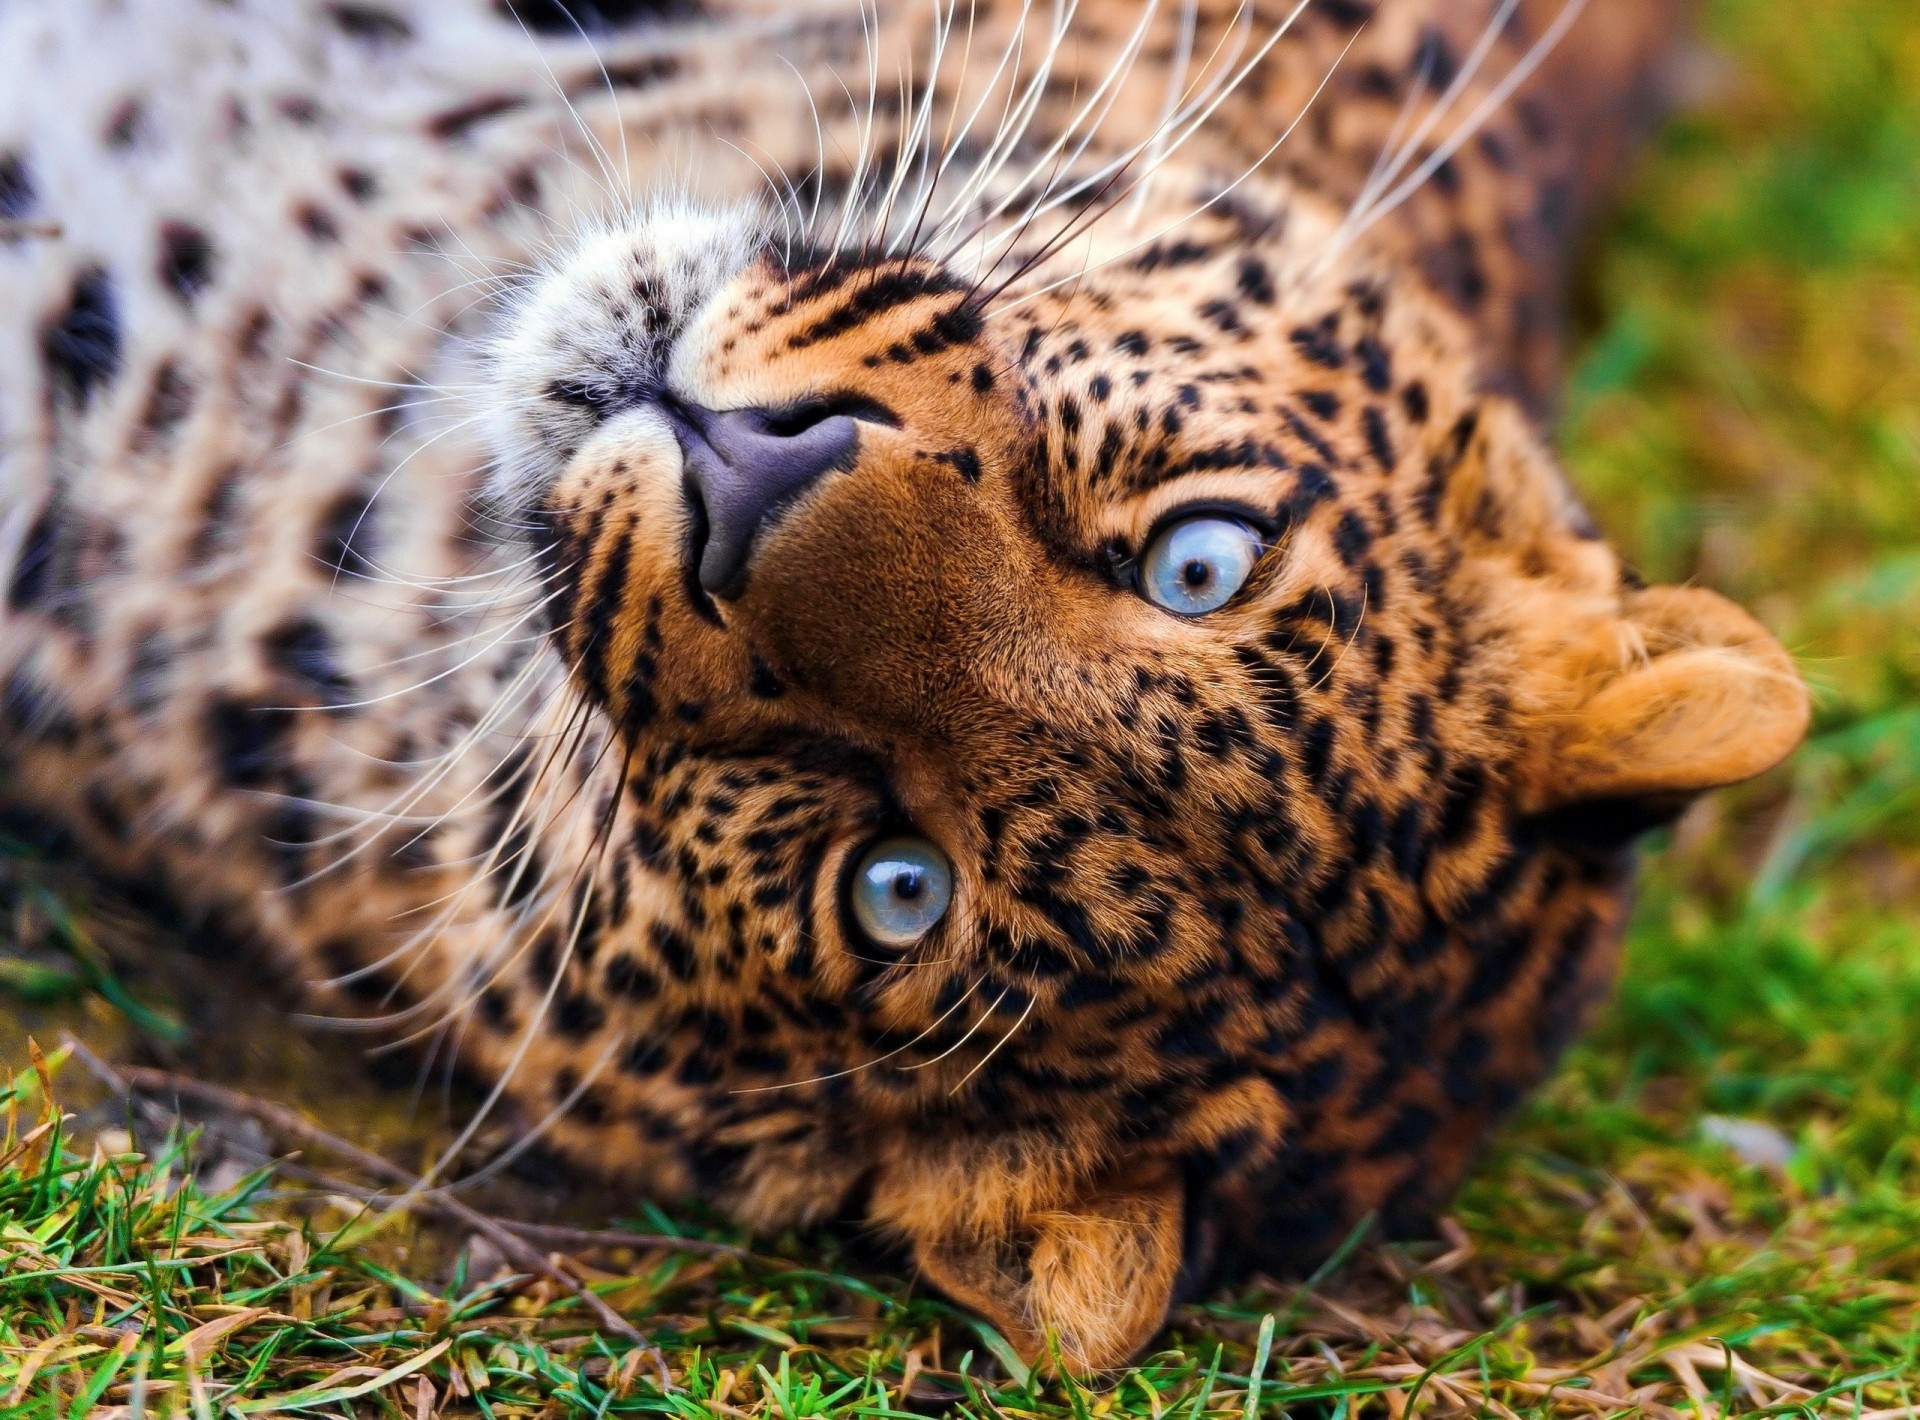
(1745, 413)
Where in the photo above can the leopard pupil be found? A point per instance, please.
(1196, 574)
(909, 885)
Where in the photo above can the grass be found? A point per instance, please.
(1745, 413)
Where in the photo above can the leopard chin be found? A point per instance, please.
(1031, 680)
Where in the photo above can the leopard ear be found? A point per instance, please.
(1689, 693)
(1094, 1276)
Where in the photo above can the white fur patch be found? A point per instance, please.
(601, 319)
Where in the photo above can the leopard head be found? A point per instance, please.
(1126, 768)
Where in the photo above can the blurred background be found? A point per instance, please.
(1735, 1151)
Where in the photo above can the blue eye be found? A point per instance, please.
(901, 890)
(1196, 565)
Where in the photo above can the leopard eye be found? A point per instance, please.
(900, 890)
(1195, 566)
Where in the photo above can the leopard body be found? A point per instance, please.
(348, 591)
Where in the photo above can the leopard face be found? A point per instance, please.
(1091, 732)
(1137, 771)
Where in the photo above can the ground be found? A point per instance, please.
(1714, 1208)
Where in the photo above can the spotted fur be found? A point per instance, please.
(345, 540)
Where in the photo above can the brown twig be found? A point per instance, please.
(287, 1122)
(614, 1237)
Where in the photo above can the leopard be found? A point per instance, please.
(959, 618)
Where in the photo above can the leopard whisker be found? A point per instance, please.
(1177, 76)
(1191, 121)
(427, 782)
(938, 1021)
(451, 670)
(1102, 99)
(1012, 1031)
(1019, 115)
(1386, 161)
(1209, 203)
(819, 147)
(934, 154)
(952, 145)
(514, 943)
(602, 159)
(504, 1160)
(582, 878)
(971, 1030)
(863, 125)
(1346, 646)
(1491, 104)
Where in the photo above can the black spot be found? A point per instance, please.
(1377, 439)
(255, 333)
(596, 622)
(1464, 1066)
(360, 185)
(1414, 400)
(1315, 486)
(123, 124)
(763, 684)
(964, 462)
(248, 741)
(82, 348)
(288, 829)
(456, 122)
(577, 1016)
(1223, 315)
(304, 650)
(627, 977)
(674, 950)
(1317, 749)
(569, 17)
(982, 378)
(299, 109)
(372, 25)
(216, 533)
(16, 188)
(1411, 1127)
(33, 572)
(880, 293)
(641, 73)
(1434, 61)
(496, 1008)
(1376, 365)
(33, 710)
(187, 260)
(645, 1057)
(345, 540)
(1325, 404)
(317, 223)
(168, 403)
(1349, 14)
(1255, 281)
(1320, 344)
(1454, 268)
(1180, 253)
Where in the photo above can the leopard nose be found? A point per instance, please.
(744, 469)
